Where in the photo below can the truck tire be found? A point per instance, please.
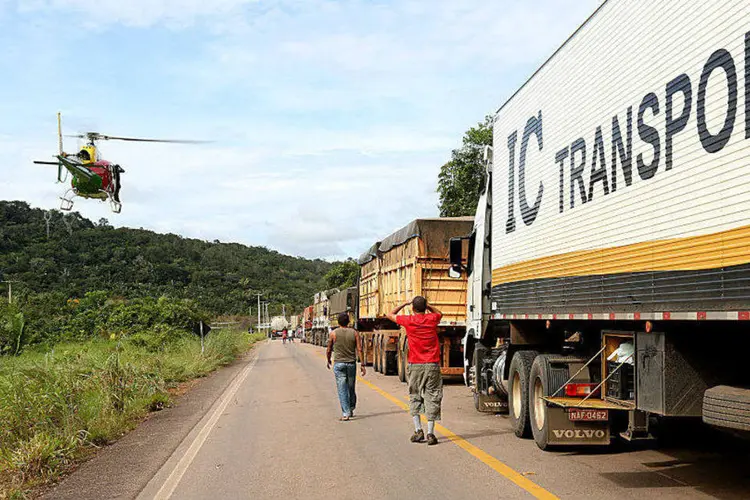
(539, 385)
(383, 356)
(375, 354)
(727, 407)
(518, 392)
(401, 364)
(389, 362)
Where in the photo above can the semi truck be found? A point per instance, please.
(410, 262)
(345, 301)
(609, 259)
(321, 319)
(307, 318)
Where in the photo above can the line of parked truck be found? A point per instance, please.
(603, 284)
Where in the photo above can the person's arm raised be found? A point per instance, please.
(392, 315)
(434, 310)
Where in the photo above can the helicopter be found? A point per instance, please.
(92, 177)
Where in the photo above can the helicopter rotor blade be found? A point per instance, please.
(137, 139)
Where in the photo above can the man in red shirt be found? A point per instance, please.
(423, 371)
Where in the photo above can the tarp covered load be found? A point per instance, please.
(343, 301)
(435, 233)
(279, 323)
(369, 255)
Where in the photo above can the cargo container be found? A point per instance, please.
(345, 301)
(609, 261)
(410, 262)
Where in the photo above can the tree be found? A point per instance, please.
(342, 274)
(461, 180)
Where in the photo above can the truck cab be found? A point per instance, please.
(480, 350)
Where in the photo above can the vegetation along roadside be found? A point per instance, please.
(60, 402)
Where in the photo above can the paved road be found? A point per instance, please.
(277, 436)
(268, 428)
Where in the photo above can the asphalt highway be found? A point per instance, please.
(273, 432)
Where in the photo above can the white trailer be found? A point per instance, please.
(609, 268)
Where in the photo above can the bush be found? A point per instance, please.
(49, 320)
(55, 405)
(12, 326)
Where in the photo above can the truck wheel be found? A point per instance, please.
(382, 356)
(375, 355)
(518, 392)
(727, 407)
(389, 364)
(538, 387)
(401, 365)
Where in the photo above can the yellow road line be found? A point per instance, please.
(493, 463)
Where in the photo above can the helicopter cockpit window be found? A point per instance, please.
(84, 155)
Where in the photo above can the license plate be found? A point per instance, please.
(588, 415)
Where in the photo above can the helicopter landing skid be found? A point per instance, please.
(66, 201)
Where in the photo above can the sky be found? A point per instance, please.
(328, 119)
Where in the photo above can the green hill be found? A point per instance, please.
(81, 256)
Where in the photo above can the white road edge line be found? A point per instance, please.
(171, 483)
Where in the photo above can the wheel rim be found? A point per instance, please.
(539, 405)
(517, 395)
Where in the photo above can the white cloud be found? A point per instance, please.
(331, 118)
(136, 13)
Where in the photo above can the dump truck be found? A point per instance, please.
(410, 262)
(345, 301)
(609, 260)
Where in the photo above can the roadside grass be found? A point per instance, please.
(56, 407)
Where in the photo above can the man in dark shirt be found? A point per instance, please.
(344, 343)
(423, 371)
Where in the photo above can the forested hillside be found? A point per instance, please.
(81, 256)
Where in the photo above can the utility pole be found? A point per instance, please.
(266, 321)
(259, 294)
(10, 289)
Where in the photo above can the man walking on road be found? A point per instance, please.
(423, 371)
(344, 343)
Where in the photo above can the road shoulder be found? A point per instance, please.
(123, 469)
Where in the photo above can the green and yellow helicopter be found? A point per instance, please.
(92, 177)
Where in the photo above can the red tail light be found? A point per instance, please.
(579, 390)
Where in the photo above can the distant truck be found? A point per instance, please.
(345, 301)
(412, 261)
(307, 319)
(321, 321)
(609, 260)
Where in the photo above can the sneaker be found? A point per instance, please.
(418, 436)
(431, 439)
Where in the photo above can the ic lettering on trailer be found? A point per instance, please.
(528, 213)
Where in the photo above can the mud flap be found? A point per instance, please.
(491, 403)
(562, 431)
